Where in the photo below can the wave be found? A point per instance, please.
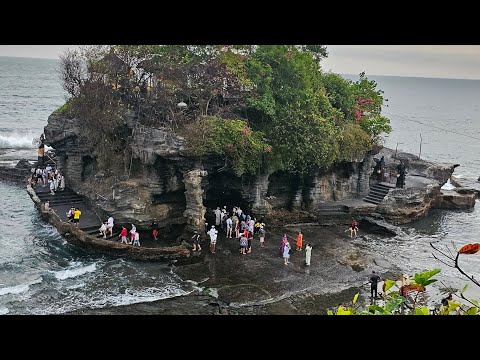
(71, 273)
(16, 141)
(19, 289)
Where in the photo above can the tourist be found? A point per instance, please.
(45, 177)
(123, 235)
(299, 241)
(110, 225)
(196, 241)
(103, 230)
(284, 242)
(286, 253)
(308, 254)
(136, 239)
(70, 214)
(237, 228)
(374, 279)
(62, 183)
(52, 186)
(223, 217)
(353, 229)
(218, 216)
(132, 233)
(261, 232)
(257, 226)
(76, 216)
(154, 227)
(229, 227)
(213, 238)
(249, 241)
(243, 244)
(47, 205)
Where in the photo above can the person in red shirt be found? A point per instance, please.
(299, 241)
(123, 235)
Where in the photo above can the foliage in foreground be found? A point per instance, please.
(406, 299)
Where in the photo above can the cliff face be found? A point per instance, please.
(162, 182)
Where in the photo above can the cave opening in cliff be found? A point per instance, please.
(224, 189)
(88, 167)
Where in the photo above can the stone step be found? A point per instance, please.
(376, 196)
(372, 201)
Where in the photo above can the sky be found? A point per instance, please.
(444, 61)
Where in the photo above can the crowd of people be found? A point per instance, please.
(47, 176)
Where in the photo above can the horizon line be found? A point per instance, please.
(326, 71)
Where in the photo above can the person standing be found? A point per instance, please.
(374, 279)
(308, 254)
(213, 238)
(353, 228)
(196, 241)
(76, 216)
(229, 227)
(155, 234)
(286, 253)
(62, 183)
(52, 186)
(284, 241)
(262, 235)
(132, 233)
(109, 226)
(299, 241)
(218, 216)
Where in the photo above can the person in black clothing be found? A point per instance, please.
(374, 279)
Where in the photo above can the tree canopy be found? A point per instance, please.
(249, 100)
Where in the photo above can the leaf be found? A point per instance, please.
(342, 311)
(329, 312)
(469, 249)
(379, 309)
(472, 311)
(422, 311)
(394, 303)
(355, 298)
(388, 284)
(464, 288)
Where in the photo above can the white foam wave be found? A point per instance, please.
(4, 311)
(70, 273)
(17, 289)
(16, 141)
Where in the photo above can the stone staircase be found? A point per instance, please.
(378, 192)
(333, 214)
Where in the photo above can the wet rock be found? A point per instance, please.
(379, 226)
(23, 164)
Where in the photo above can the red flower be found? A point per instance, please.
(246, 132)
(358, 114)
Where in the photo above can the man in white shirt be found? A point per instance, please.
(213, 238)
(110, 226)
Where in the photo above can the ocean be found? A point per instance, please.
(40, 273)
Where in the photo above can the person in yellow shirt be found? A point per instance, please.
(76, 216)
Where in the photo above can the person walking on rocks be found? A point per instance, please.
(299, 241)
(132, 233)
(353, 229)
(52, 186)
(109, 226)
(136, 239)
(308, 254)
(213, 238)
(284, 241)
(123, 235)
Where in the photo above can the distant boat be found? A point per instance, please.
(447, 186)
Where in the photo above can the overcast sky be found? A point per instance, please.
(446, 61)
